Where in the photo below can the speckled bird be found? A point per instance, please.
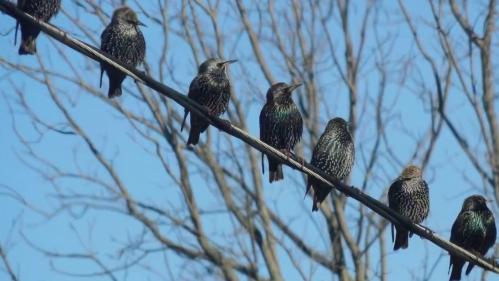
(211, 89)
(281, 124)
(43, 10)
(409, 196)
(123, 40)
(333, 154)
(475, 230)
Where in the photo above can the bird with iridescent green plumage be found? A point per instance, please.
(281, 124)
(475, 230)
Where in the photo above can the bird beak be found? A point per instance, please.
(140, 23)
(293, 87)
(228, 62)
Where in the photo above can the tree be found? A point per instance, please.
(210, 210)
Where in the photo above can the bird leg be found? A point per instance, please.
(286, 152)
(290, 154)
(224, 123)
(301, 160)
(427, 230)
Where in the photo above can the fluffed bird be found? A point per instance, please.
(211, 89)
(123, 40)
(334, 154)
(409, 196)
(281, 124)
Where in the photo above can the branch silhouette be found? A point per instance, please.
(351, 191)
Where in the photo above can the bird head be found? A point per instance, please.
(338, 124)
(127, 16)
(475, 203)
(214, 64)
(411, 172)
(281, 90)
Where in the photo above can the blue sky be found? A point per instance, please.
(449, 173)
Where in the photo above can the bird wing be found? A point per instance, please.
(195, 88)
(194, 93)
(491, 234)
(20, 5)
(263, 130)
(292, 126)
(459, 232)
(393, 201)
(457, 228)
(141, 46)
(427, 192)
(456, 234)
(264, 119)
(104, 46)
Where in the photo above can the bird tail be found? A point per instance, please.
(401, 238)
(116, 78)
(193, 136)
(457, 266)
(315, 205)
(263, 164)
(114, 92)
(317, 196)
(275, 171)
(320, 194)
(469, 268)
(28, 45)
(309, 186)
(101, 74)
(186, 112)
(393, 226)
(15, 34)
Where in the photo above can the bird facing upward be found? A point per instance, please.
(211, 89)
(408, 195)
(281, 124)
(334, 154)
(474, 229)
(123, 40)
(40, 9)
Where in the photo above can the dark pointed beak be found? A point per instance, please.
(228, 62)
(140, 23)
(293, 87)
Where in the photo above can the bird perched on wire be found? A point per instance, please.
(40, 9)
(123, 40)
(281, 124)
(409, 196)
(334, 154)
(475, 230)
(211, 89)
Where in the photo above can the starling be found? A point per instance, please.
(281, 125)
(475, 230)
(333, 154)
(40, 9)
(409, 196)
(123, 40)
(211, 89)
